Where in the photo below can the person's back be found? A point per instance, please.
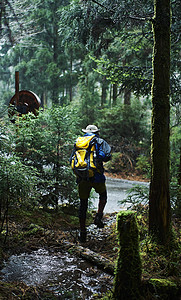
(97, 181)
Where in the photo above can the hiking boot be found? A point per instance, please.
(82, 236)
(98, 221)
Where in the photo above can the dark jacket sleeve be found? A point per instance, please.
(104, 150)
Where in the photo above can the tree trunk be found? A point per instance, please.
(159, 201)
(178, 202)
(104, 91)
(115, 92)
(95, 258)
(55, 36)
(70, 83)
(43, 99)
(127, 96)
(128, 270)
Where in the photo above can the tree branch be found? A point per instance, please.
(131, 17)
(140, 18)
(101, 5)
(14, 14)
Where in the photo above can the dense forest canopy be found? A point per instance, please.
(56, 42)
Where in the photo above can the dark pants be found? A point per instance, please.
(84, 189)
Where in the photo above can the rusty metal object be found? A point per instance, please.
(23, 101)
(27, 102)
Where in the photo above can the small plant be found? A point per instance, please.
(143, 165)
(139, 194)
(116, 164)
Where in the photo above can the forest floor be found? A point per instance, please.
(32, 230)
(136, 176)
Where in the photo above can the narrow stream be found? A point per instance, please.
(66, 275)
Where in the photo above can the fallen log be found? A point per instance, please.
(98, 260)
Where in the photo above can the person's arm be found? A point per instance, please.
(104, 150)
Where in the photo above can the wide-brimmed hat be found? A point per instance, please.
(91, 128)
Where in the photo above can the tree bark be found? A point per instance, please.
(178, 202)
(159, 201)
(104, 92)
(55, 37)
(127, 96)
(95, 258)
(115, 92)
(128, 270)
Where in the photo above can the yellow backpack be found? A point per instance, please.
(84, 158)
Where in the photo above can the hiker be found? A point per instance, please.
(90, 173)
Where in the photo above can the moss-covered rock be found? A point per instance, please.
(164, 289)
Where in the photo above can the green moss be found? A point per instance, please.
(166, 289)
(33, 229)
(162, 283)
(128, 269)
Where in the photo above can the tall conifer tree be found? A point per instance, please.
(159, 202)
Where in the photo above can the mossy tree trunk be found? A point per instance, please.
(128, 269)
(159, 202)
(178, 202)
